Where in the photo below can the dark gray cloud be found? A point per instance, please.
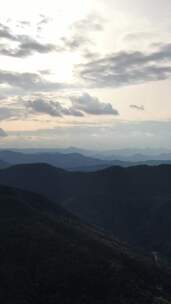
(92, 105)
(27, 47)
(30, 82)
(2, 133)
(5, 33)
(52, 108)
(137, 107)
(127, 68)
(80, 105)
(26, 44)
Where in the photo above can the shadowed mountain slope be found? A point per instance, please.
(48, 256)
(132, 203)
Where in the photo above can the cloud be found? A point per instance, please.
(5, 33)
(26, 44)
(92, 105)
(13, 111)
(134, 36)
(137, 107)
(5, 113)
(127, 68)
(79, 106)
(30, 82)
(81, 31)
(2, 133)
(52, 108)
(121, 134)
(24, 23)
(27, 47)
(44, 19)
(92, 22)
(74, 42)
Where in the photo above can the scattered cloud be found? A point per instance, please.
(134, 36)
(13, 111)
(127, 68)
(2, 133)
(92, 105)
(74, 42)
(30, 82)
(151, 134)
(5, 113)
(80, 105)
(137, 107)
(52, 108)
(5, 33)
(26, 45)
(23, 23)
(44, 19)
(92, 22)
(81, 30)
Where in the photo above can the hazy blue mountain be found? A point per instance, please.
(70, 161)
(73, 161)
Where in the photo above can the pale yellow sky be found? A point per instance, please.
(90, 62)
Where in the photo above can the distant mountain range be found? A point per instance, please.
(130, 155)
(48, 256)
(74, 161)
(71, 161)
(134, 204)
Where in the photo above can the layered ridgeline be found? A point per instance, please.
(68, 161)
(48, 256)
(73, 160)
(132, 203)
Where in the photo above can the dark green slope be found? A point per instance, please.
(48, 256)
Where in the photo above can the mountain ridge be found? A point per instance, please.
(49, 256)
(131, 203)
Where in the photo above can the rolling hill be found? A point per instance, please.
(134, 204)
(49, 256)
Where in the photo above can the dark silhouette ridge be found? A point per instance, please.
(132, 203)
(47, 256)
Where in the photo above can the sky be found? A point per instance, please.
(93, 74)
